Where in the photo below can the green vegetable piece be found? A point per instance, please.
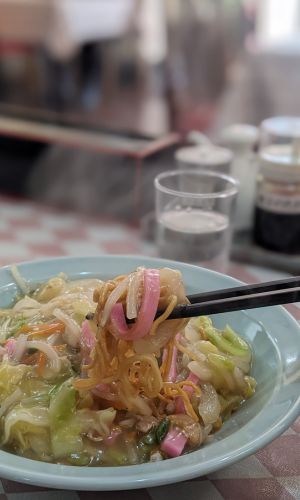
(162, 430)
(221, 362)
(202, 322)
(64, 427)
(62, 404)
(80, 459)
(149, 438)
(235, 339)
(144, 450)
(115, 456)
(224, 344)
(66, 439)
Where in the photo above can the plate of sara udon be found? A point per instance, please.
(90, 402)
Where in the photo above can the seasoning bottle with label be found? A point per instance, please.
(277, 211)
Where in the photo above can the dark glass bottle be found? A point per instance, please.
(277, 211)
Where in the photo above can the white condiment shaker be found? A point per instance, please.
(206, 156)
(241, 140)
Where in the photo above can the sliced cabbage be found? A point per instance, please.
(66, 440)
(81, 308)
(10, 325)
(20, 422)
(98, 421)
(11, 377)
(53, 288)
(227, 341)
(27, 306)
(11, 400)
(65, 428)
(62, 404)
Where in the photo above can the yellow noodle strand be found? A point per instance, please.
(190, 384)
(168, 359)
(164, 315)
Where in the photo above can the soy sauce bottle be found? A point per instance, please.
(277, 210)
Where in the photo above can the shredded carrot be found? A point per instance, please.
(41, 364)
(43, 328)
(30, 359)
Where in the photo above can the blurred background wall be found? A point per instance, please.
(182, 63)
(141, 67)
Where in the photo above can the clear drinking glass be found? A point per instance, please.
(194, 214)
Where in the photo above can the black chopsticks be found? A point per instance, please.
(270, 293)
(266, 294)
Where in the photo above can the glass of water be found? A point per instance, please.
(194, 214)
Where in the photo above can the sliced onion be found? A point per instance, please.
(133, 294)
(209, 406)
(153, 343)
(147, 311)
(72, 332)
(172, 280)
(20, 347)
(47, 349)
(10, 347)
(112, 299)
(16, 348)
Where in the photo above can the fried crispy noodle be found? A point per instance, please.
(114, 360)
(175, 390)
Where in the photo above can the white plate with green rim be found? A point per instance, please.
(275, 339)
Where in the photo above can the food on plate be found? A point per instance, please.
(89, 376)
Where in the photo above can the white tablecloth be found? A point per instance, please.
(63, 25)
